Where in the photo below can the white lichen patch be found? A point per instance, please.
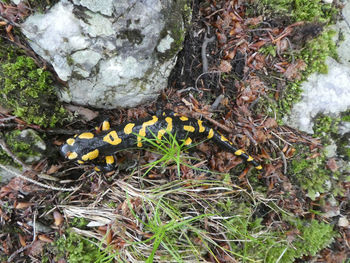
(98, 25)
(165, 44)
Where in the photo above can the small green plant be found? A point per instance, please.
(269, 50)
(170, 149)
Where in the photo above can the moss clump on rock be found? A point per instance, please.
(28, 91)
(26, 145)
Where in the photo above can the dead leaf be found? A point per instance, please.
(21, 205)
(332, 165)
(22, 240)
(45, 238)
(270, 123)
(53, 169)
(293, 70)
(85, 113)
(253, 21)
(222, 39)
(225, 66)
(58, 218)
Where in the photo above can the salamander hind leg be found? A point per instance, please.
(224, 143)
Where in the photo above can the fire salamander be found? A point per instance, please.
(92, 147)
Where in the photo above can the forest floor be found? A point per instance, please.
(240, 70)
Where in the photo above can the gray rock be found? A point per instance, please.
(118, 53)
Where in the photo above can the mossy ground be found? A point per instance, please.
(28, 90)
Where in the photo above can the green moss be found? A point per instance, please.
(345, 116)
(257, 243)
(312, 236)
(325, 127)
(300, 10)
(316, 51)
(76, 249)
(311, 174)
(79, 222)
(26, 145)
(28, 91)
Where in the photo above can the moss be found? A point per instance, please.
(312, 174)
(325, 127)
(345, 116)
(312, 236)
(26, 145)
(28, 91)
(76, 249)
(299, 10)
(299, 237)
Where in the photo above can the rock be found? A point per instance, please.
(116, 54)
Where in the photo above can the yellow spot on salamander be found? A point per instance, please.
(183, 118)
(86, 135)
(106, 126)
(169, 120)
(259, 167)
(142, 131)
(239, 152)
(112, 138)
(250, 159)
(160, 134)
(176, 114)
(223, 138)
(201, 127)
(210, 134)
(70, 141)
(80, 162)
(189, 128)
(188, 141)
(90, 156)
(128, 128)
(72, 155)
(97, 169)
(109, 159)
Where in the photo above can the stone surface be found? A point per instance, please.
(116, 54)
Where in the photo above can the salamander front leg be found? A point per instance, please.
(108, 165)
(104, 126)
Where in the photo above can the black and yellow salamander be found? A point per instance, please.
(91, 147)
